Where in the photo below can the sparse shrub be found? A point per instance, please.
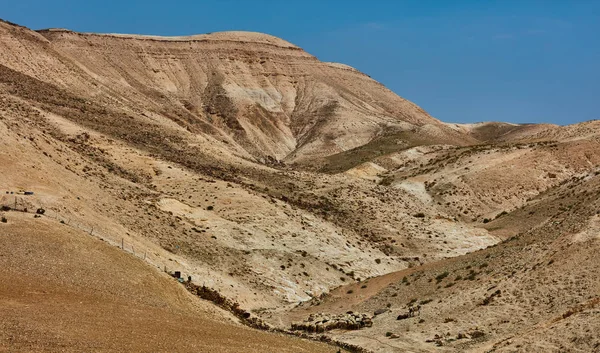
(210, 208)
(441, 276)
(380, 311)
(483, 265)
(568, 313)
(403, 316)
(501, 214)
(477, 334)
(4, 220)
(419, 215)
(388, 334)
(386, 181)
(350, 291)
(458, 278)
(472, 276)
(363, 286)
(378, 261)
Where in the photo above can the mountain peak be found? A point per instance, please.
(232, 36)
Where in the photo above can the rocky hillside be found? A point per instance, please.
(257, 95)
(62, 290)
(270, 177)
(157, 136)
(537, 291)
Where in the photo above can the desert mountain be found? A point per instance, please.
(259, 95)
(268, 176)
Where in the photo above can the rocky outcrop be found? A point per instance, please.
(320, 323)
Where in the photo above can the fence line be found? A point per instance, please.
(162, 263)
(20, 205)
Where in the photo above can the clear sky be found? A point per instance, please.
(461, 60)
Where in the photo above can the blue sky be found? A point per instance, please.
(462, 61)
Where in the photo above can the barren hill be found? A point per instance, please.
(62, 290)
(273, 178)
(259, 95)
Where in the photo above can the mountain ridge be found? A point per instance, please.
(275, 95)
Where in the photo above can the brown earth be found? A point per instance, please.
(63, 290)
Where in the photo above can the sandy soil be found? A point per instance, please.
(63, 290)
